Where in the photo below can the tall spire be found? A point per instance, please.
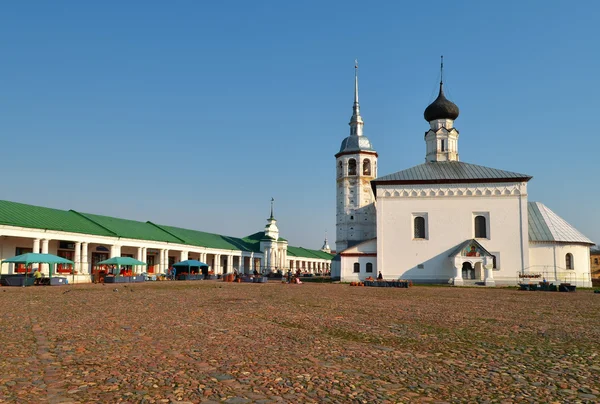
(272, 200)
(356, 122)
(442, 71)
(356, 105)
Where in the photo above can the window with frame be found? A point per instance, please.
(569, 261)
(369, 267)
(351, 167)
(340, 169)
(419, 227)
(356, 267)
(595, 261)
(480, 227)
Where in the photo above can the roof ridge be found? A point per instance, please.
(166, 231)
(93, 221)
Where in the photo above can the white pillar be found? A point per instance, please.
(77, 257)
(489, 272)
(183, 256)
(217, 264)
(139, 256)
(166, 261)
(458, 279)
(251, 263)
(36, 245)
(161, 261)
(145, 258)
(241, 266)
(44, 267)
(230, 264)
(85, 267)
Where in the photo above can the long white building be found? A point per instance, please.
(446, 221)
(88, 239)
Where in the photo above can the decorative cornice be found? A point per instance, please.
(372, 153)
(485, 190)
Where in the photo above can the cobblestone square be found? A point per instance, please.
(211, 341)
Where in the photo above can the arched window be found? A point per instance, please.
(480, 227)
(369, 267)
(356, 267)
(569, 261)
(366, 167)
(419, 227)
(351, 167)
(595, 261)
(340, 172)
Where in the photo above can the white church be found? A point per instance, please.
(446, 221)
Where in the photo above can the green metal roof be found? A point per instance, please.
(203, 239)
(131, 229)
(306, 253)
(37, 217)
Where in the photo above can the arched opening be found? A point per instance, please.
(595, 261)
(569, 261)
(480, 227)
(340, 169)
(351, 167)
(356, 267)
(366, 167)
(419, 227)
(369, 267)
(467, 270)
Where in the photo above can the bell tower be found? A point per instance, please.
(356, 166)
(442, 137)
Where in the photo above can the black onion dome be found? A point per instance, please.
(441, 108)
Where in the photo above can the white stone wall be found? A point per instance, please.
(549, 260)
(450, 211)
(362, 253)
(12, 237)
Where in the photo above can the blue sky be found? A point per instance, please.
(196, 113)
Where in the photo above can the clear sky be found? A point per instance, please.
(196, 113)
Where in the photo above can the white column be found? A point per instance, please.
(77, 257)
(44, 267)
(145, 258)
(85, 266)
(161, 261)
(251, 263)
(183, 256)
(166, 261)
(36, 245)
(217, 264)
(241, 266)
(113, 252)
(230, 264)
(489, 272)
(139, 268)
(458, 279)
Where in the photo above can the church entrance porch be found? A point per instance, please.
(472, 262)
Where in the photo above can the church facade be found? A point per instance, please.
(446, 221)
